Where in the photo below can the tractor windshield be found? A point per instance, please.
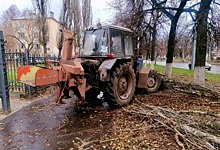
(95, 42)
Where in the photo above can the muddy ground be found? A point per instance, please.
(47, 125)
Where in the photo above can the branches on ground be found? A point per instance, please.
(189, 130)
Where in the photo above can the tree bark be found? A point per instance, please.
(201, 43)
(86, 13)
(172, 38)
(154, 38)
(171, 47)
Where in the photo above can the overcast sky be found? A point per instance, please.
(99, 7)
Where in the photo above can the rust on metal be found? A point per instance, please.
(67, 45)
(73, 67)
(143, 77)
(46, 76)
(68, 71)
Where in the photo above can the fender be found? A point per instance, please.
(143, 77)
(104, 69)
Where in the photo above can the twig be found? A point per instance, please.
(64, 122)
(83, 144)
(178, 141)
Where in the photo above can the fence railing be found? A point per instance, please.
(13, 61)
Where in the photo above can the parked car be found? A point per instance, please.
(207, 65)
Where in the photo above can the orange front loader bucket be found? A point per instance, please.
(38, 76)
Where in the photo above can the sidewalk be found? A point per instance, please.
(17, 103)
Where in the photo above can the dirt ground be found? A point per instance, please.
(118, 129)
(141, 125)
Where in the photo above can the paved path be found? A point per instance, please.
(43, 124)
(33, 126)
(16, 104)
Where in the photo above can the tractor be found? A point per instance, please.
(107, 62)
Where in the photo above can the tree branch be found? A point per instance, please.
(18, 40)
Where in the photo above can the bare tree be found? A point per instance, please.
(41, 8)
(155, 17)
(6, 25)
(174, 17)
(77, 17)
(86, 13)
(129, 14)
(64, 19)
(201, 42)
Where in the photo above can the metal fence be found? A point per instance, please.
(13, 61)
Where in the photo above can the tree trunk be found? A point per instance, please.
(42, 12)
(171, 47)
(154, 38)
(86, 13)
(201, 43)
(172, 38)
(44, 39)
(77, 22)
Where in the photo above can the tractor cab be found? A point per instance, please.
(107, 41)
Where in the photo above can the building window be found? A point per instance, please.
(35, 35)
(21, 26)
(47, 47)
(37, 46)
(21, 35)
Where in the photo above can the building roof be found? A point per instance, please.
(32, 17)
(117, 27)
(113, 27)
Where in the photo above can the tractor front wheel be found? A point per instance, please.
(120, 90)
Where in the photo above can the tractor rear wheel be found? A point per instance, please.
(153, 81)
(120, 90)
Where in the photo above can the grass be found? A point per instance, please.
(177, 72)
(213, 77)
(12, 75)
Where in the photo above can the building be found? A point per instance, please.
(26, 31)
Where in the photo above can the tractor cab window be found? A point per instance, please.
(116, 43)
(95, 42)
(128, 45)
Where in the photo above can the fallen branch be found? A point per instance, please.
(198, 112)
(190, 88)
(178, 141)
(178, 122)
(202, 134)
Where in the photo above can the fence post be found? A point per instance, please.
(3, 76)
(28, 63)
